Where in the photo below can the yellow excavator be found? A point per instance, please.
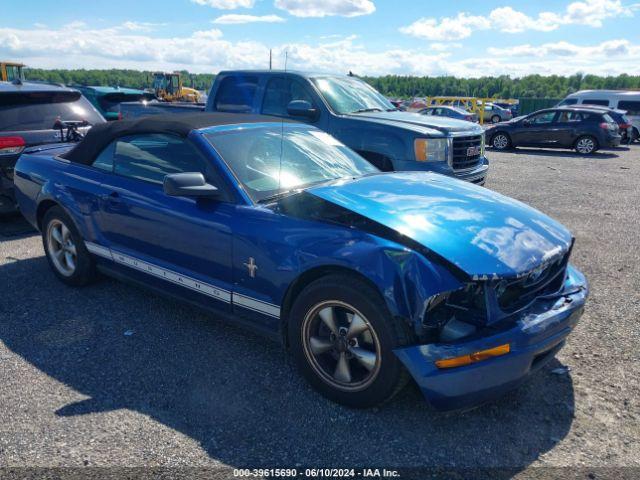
(168, 87)
(10, 71)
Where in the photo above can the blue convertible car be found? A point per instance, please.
(368, 278)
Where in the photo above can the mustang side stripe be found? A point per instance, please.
(256, 305)
(185, 281)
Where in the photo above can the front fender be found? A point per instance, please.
(405, 279)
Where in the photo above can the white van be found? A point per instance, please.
(620, 99)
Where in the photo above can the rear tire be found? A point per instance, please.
(586, 145)
(66, 253)
(342, 338)
(501, 141)
(496, 119)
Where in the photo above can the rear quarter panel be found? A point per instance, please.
(42, 177)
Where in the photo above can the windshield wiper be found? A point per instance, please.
(275, 196)
(365, 110)
(297, 189)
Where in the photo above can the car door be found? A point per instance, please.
(566, 128)
(281, 90)
(537, 130)
(179, 244)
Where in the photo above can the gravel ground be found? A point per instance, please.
(111, 375)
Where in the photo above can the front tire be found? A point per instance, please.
(66, 253)
(501, 141)
(342, 338)
(586, 145)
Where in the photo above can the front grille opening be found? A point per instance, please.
(522, 291)
(467, 152)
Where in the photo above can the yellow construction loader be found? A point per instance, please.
(168, 87)
(10, 71)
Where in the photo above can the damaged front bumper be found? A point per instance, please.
(534, 338)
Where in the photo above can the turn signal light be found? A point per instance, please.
(11, 145)
(473, 357)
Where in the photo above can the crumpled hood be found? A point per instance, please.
(442, 124)
(478, 230)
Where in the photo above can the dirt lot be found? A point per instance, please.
(114, 376)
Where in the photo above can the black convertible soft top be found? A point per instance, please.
(103, 134)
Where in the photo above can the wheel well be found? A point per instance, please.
(379, 160)
(305, 279)
(43, 208)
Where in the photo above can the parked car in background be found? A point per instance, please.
(580, 128)
(514, 108)
(362, 274)
(451, 112)
(28, 113)
(399, 104)
(496, 114)
(107, 99)
(356, 114)
(618, 99)
(625, 127)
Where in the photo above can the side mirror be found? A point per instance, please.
(526, 122)
(301, 108)
(190, 184)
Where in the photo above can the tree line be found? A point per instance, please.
(530, 86)
(114, 77)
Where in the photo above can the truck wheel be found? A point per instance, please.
(501, 141)
(342, 338)
(496, 119)
(586, 145)
(67, 255)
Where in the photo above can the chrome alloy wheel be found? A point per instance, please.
(61, 248)
(500, 141)
(585, 145)
(341, 346)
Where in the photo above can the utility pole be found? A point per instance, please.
(270, 59)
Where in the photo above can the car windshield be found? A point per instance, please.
(272, 160)
(351, 95)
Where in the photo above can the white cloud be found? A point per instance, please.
(604, 50)
(140, 26)
(508, 20)
(233, 19)
(226, 4)
(326, 8)
(592, 12)
(80, 46)
(456, 28)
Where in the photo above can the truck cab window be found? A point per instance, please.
(236, 94)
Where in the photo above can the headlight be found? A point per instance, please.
(431, 149)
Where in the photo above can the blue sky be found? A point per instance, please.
(463, 38)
